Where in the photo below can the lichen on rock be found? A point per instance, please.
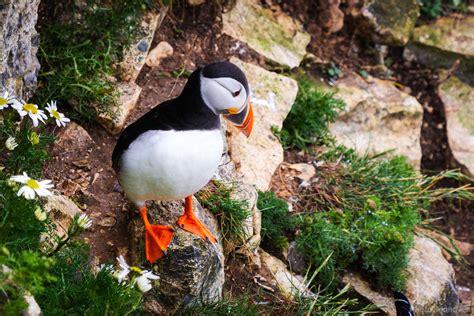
(192, 272)
(19, 43)
(390, 21)
(378, 117)
(457, 97)
(439, 45)
(273, 34)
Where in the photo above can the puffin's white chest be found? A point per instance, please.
(169, 165)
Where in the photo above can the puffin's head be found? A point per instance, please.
(224, 89)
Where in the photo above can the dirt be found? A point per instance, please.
(195, 36)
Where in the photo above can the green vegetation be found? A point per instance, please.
(80, 291)
(78, 52)
(366, 213)
(34, 259)
(275, 220)
(307, 123)
(434, 8)
(230, 213)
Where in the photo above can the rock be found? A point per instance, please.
(289, 284)
(296, 259)
(257, 157)
(19, 43)
(440, 44)
(279, 38)
(107, 221)
(305, 170)
(430, 287)
(74, 137)
(361, 286)
(134, 57)
(390, 22)
(61, 211)
(129, 94)
(195, 2)
(162, 50)
(457, 97)
(33, 308)
(378, 117)
(192, 272)
(332, 18)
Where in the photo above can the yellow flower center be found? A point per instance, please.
(33, 184)
(3, 101)
(136, 269)
(56, 114)
(30, 107)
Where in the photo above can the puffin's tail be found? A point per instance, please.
(402, 305)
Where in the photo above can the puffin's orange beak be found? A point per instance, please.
(243, 120)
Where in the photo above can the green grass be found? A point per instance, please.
(275, 220)
(77, 55)
(307, 123)
(365, 214)
(77, 290)
(435, 8)
(230, 213)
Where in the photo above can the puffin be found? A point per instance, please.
(174, 150)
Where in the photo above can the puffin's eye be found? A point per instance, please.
(236, 93)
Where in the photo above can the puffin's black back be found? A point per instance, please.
(186, 112)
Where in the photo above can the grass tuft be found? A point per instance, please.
(307, 123)
(365, 214)
(78, 53)
(230, 213)
(275, 220)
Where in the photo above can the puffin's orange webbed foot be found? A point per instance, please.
(157, 238)
(189, 222)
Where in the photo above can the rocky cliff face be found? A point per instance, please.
(19, 43)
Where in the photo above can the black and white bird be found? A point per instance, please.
(172, 151)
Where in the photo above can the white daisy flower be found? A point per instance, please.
(7, 100)
(59, 117)
(124, 269)
(11, 143)
(40, 214)
(31, 110)
(84, 221)
(144, 280)
(32, 187)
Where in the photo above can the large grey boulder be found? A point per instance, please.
(270, 32)
(378, 117)
(192, 272)
(19, 43)
(439, 45)
(390, 21)
(458, 97)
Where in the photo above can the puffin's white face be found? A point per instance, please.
(223, 95)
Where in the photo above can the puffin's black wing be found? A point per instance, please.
(159, 118)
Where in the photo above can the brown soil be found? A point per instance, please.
(195, 36)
